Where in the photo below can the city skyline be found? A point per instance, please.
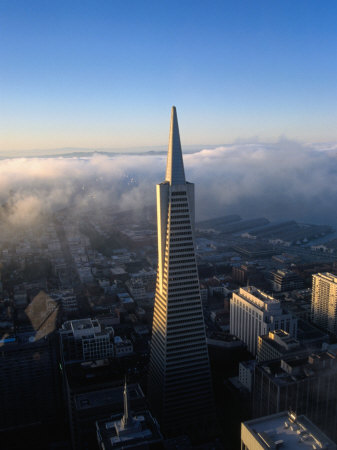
(89, 76)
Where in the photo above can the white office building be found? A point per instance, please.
(254, 313)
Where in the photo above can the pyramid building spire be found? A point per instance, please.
(175, 173)
(179, 385)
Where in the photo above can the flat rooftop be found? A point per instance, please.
(108, 396)
(143, 436)
(298, 367)
(287, 431)
(258, 294)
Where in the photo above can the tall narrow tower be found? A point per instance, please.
(179, 390)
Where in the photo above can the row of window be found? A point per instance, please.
(187, 255)
(180, 222)
(177, 229)
(183, 244)
(186, 238)
(179, 210)
(177, 233)
(179, 310)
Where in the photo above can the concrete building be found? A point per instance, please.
(306, 384)
(324, 301)
(180, 389)
(128, 430)
(276, 344)
(246, 274)
(136, 288)
(286, 280)
(123, 347)
(29, 393)
(283, 430)
(86, 340)
(254, 313)
(94, 391)
(246, 373)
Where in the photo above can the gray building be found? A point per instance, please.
(28, 381)
(86, 340)
(305, 384)
(286, 280)
(129, 430)
(94, 391)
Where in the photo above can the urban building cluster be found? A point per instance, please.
(131, 329)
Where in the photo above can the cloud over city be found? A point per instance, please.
(278, 181)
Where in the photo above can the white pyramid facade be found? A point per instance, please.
(179, 390)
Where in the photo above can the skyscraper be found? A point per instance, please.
(179, 391)
(324, 301)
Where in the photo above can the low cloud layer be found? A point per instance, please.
(278, 181)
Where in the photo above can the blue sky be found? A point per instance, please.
(104, 74)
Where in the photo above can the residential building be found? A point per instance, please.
(179, 388)
(324, 301)
(254, 313)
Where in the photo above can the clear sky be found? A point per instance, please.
(104, 74)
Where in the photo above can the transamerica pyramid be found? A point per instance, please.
(179, 387)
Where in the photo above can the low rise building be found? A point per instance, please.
(128, 430)
(123, 347)
(286, 280)
(283, 430)
(86, 340)
(246, 373)
(276, 344)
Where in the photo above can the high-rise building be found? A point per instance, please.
(179, 390)
(254, 313)
(324, 301)
(306, 384)
(29, 388)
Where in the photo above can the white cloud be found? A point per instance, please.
(279, 181)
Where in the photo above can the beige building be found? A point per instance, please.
(276, 344)
(283, 430)
(324, 301)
